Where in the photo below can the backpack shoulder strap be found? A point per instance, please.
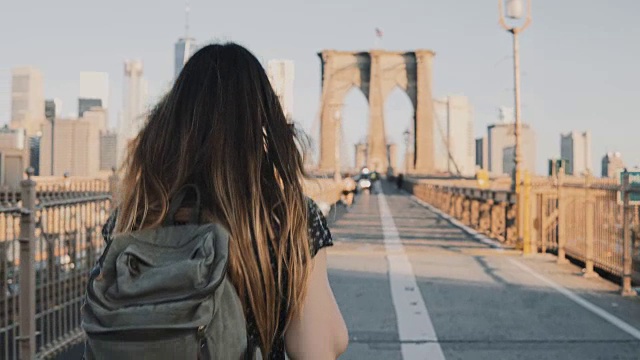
(178, 200)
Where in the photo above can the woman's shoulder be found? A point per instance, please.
(319, 233)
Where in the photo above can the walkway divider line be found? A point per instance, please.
(471, 232)
(414, 322)
(612, 319)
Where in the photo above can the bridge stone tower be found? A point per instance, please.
(376, 73)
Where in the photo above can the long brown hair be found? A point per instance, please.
(222, 128)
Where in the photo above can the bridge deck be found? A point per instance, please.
(409, 282)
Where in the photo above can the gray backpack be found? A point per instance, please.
(164, 293)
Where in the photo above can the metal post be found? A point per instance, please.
(113, 187)
(541, 234)
(27, 338)
(517, 124)
(589, 226)
(517, 174)
(627, 290)
(528, 243)
(407, 135)
(337, 176)
(53, 139)
(562, 224)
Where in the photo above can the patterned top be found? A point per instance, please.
(319, 236)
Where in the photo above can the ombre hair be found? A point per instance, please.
(222, 128)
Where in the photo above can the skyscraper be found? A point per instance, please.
(575, 148)
(108, 151)
(97, 115)
(34, 153)
(135, 101)
(184, 47)
(14, 156)
(500, 137)
(509, 159)
(76, 144)
(85, 105)
(281, 74)
(611, 164)
(482, 153)
(12, 138)
(27, 99)
(94, 91)
(455, 145)
(95, 85)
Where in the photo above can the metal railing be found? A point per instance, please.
(491, 212)
(585, 219)
(49, 241)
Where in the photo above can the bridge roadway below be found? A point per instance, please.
(411, 285)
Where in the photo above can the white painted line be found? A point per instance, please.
(612, 319)
(415, 329)
(473, 233)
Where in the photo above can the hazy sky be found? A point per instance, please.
(580, 59)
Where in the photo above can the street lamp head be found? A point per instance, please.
(514, 9)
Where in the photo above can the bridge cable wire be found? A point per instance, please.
(445, 137)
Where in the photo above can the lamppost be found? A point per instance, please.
(337, 176)
(514, 11)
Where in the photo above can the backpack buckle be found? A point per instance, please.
(201, 332)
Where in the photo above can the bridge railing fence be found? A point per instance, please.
(49, 241)
(9, 254)
(581, 218)
(585, 221)
(491, 212)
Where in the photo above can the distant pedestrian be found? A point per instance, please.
(375, 182)
(399, 181)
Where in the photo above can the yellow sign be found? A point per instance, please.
(482, 177)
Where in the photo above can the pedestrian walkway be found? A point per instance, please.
(413, 286)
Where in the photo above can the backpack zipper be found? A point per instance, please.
(203, 351)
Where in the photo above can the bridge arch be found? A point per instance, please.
(376, 73)
(399, 115)
(354, 122)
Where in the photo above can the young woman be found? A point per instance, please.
(221, 127)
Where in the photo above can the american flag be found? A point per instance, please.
(378, 32)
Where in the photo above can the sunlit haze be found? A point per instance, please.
(579, 58)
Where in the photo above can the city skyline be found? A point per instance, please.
(557, 95)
